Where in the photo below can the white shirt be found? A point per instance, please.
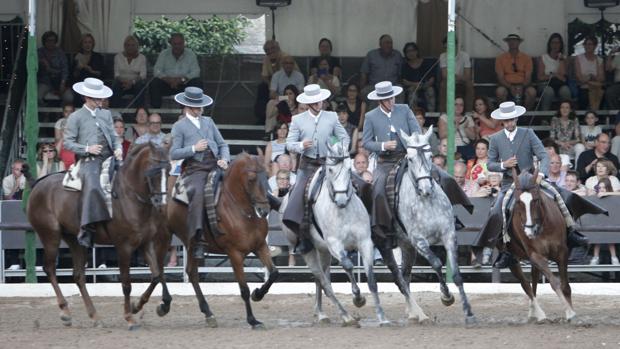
(196, 122)
(389, 115)
(92, 112)
(461, 62)
(136, 70)
(511, 135)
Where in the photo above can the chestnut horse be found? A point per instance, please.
(241, 213)
(138, 222)
(538, 234)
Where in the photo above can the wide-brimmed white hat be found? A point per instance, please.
(384, 90)
(507, 111)
(513, 37)
(193, 97)
(93, 88)
(313, 93)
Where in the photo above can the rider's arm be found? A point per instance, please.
(176, 151)
(494, 163)
(70, 137)
(223, 147)
(293, 143)
(368, 137)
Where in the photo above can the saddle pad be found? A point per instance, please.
(179, 192)
(311, 192)
(211, 193)
(72, 181)
(392, 185)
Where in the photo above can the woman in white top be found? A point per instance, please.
(465, 129)
(276, 147)
(590, 75)
(129, 74)
(552, 73)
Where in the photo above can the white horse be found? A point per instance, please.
(425, 212)
(345, 225)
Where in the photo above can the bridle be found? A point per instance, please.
(421, 151)
(332, 161)
(254, 202)
(157, 195)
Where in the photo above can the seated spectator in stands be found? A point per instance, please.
(612, 93)
(53, 70)
(87, 63)
(468, 186)
(565, 130)
(175, 69)
(464, 85)
(367, 176)
(119, 127)
(589, 132)
(420, 115)
(465, 129)
(154, 134)
(47, 160)
(141, 126)
(440, 160)
(129, 74)
(443, 147)
(604, 187)
(605, 169)
(360, 164)
(572, 183)
(276, 147)
(356, 106)
(325, 51)
(352, 131)
(477, 166)
(66, 156)
(283, 108)
(283, 183)
(556, 175)
(284, 163)
(14, 184)
(287, 75)
(482, 116)
(552, 73)
(324, 78)
(586, 165)
(550, 146)
(418, 77)
(514, 75)
(590, 74)
(381, 64)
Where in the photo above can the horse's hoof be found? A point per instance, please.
(162, 310)
(385, 323)
(419, 321)
(470, 321)
(324, 321)
(66, 319)
(211, 322)
(98, 324)
(258, 326)
(447, 301)
(359, 301)
(134, 327)
(255, 296)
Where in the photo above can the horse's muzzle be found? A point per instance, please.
(341, 199)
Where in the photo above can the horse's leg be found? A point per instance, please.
(79, 277)
(192, 272)
(414, 312)
(337, 249)
(449, 242)
(535, 313)
(321, 317)
(236, 259)
(563, 270)
(366, 248)
(51, 241)
(124, 256)
(542, 263)
(265, 258)
(155, 264)
(424, 249)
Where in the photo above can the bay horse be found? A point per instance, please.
(344, 227)
(538, 234)
(138, 222)
(241, 210)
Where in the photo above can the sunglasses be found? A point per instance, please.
(49, 151)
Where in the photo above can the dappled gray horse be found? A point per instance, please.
(425, 212)
(345, 226)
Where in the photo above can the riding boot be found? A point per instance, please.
(304, 242)
(504, 260)
(85, 237)
(575, 238)
(199, 249)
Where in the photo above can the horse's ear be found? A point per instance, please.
(515, 178)
(261, 154)
(403, 135)
(428, 133)
(534, 178)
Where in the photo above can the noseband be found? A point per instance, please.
(421, 150)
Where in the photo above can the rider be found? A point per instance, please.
(90, 135)
(516, 147)
(196, 139)
(381, 136)
(309, 135)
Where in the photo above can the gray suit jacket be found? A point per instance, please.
(185, 134)
(303, 127)
(81, 130)
(377, 127)
(525, 145)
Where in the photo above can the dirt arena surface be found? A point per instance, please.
(34, 323)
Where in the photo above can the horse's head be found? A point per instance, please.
(338, 173)
(528, 202)
(419, 161)
(249, 173)
(152, 162)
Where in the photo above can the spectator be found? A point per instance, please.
(352, 131)
(465, 129)
(284, 163)
(356, 106)
(119, 128)
(129, 74)
(325, 52)
(572, 183)
(464, 85)
(87, 63)
(67, 156)
(565, 130)
(440, 160)
(324, 78)
(282, 109)
(514, 74)
(283, 183)
(590, 75)
(420, 115)
(284, 77)
(176, 68)
(460, 170)
(53, 70)
(604, 187)
(477, 167)
(360, 163)
(485, 123)
(552, 73)
(418, 77)
(587, 159)
(141, 126)
(556, 174)
(276, 147)
(589, 132)
(154, 134)
(14, 184)
(381, 64)
(443, 147)
(47, 160)
(613, 92)
(605, 169)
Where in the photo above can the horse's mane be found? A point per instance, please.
(241, 157)
(135, 150)
(525, 180)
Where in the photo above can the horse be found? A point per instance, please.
(344, 226)
(538, 234)
(138, 198)
(241, 212)
(424, 217)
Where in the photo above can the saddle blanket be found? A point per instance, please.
(211, 195)
(72, 181)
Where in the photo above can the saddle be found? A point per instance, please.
(392, 186)
(211, 194)
(73, 182)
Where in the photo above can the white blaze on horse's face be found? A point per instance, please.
(164, 185)
(339, 173)
(419, 161)
(526, 199)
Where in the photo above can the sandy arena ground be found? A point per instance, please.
(34, 323)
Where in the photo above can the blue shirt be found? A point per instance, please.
(168, 65)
